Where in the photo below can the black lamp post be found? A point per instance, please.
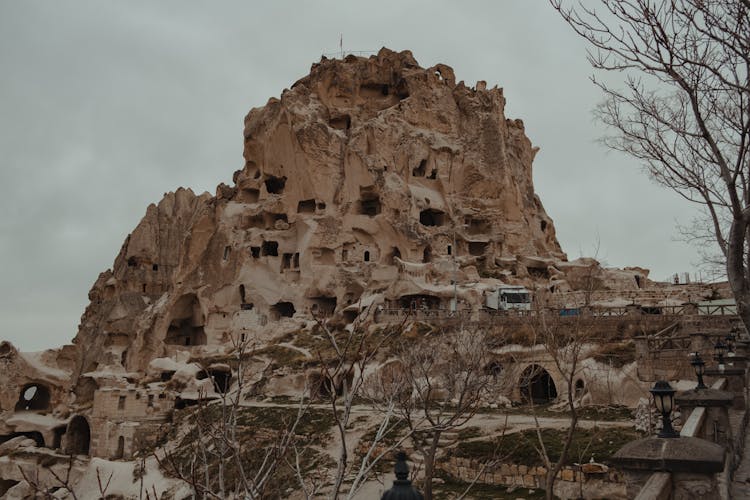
(730, 338)
(720, 349)
(664, 401)
(700, 368)
(402, 488)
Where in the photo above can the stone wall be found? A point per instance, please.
(466, 469)
(125, 420)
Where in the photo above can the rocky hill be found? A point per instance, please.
(364, 169)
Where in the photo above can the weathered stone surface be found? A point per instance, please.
(364, 170)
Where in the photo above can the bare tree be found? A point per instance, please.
(564, 341)
(446, 382)
(344, 376)
(64, 483)
(684, 111)
(213, 459)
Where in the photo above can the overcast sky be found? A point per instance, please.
(105, 106)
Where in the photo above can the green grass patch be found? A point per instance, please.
(521, 448)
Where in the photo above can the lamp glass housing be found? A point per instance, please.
(663, 394)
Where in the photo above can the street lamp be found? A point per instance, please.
(402, 488)
(700, 368)
(664, 400)
(720, 349)
(730, 338)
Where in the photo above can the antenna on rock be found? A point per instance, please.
(341, 44)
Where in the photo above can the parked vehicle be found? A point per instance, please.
(508, 298)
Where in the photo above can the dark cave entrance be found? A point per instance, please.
(537, 386)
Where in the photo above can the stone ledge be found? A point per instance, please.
(684, 454)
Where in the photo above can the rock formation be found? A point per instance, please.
(371, 182)
(367, 173)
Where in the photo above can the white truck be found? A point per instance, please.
(508, 298)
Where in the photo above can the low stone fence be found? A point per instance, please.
(466, 469)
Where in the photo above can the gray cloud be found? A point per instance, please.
(104, 106)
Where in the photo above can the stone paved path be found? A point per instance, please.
(740, 487)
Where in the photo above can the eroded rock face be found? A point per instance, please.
(364, 167)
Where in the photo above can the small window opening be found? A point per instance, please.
(271, 248)
(427, 255)
(247, 306)
(450, 250)
(433, 174)
(275, 185)
(272, 220)
(227, 251)
(306, 207)
(150, 400)
(369, 203)
(295, 261)
(343, 122)
(121, 403)
(242, 293)
(255, 252)
(155, 267)
(243, 337)
(282, 310)
(132, 262)
(432, 217)
(286, 261)
(420, 169)
(367, 256)
(543, 224)
(144, 288)
(321, 205)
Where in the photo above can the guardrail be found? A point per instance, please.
(602, 312)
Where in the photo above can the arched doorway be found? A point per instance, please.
(537, 386)
(79, 436)
(34, 397)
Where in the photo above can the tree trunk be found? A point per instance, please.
(737, 270)
(429, 465)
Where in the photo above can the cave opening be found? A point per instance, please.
(79, 436)
(420, 169)
(34, 397)
(282, 310)
(477, 248)
(270, 248)
(186, 323)
(432, 217)
(537, 386)
(306, 207)
(275, 185)
(369, 202)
